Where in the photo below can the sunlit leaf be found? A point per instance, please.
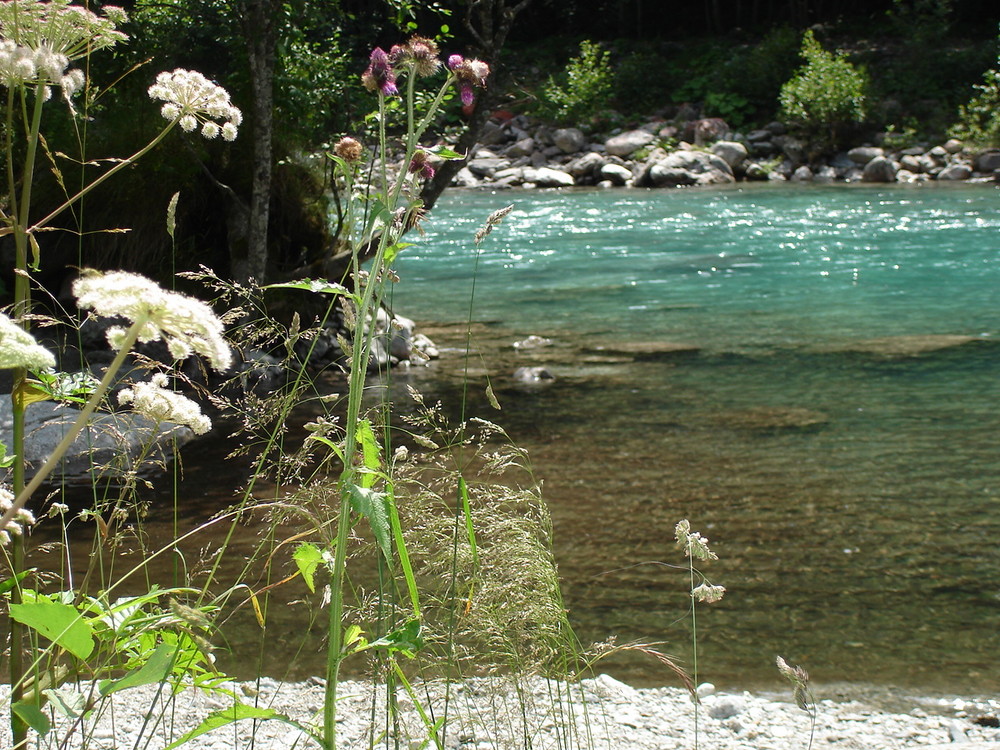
(319, 286)
(60, 623)
(69, 702)
(155, 670)
(371, 504)
(405, 640)
(307, 557)
(33, 716)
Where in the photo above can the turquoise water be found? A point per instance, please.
(850, 488)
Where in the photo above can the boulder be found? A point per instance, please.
(802, 174)
(586, 167)
(793, 149)
(487, 166)
(464, 178)
(733, 153)
(628, 143)
(879, 169)
(532, 374)
(616, 174)
(706, 130)
(569, 140)
(522, 147)
(952, 146)
(988, 161)
(110, 445)
(492, 134)
(957, 171)
(548, 177)
(688, 168)
(861, 155)
(911, 163)
(826, 173)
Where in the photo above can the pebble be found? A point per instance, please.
(486, 714)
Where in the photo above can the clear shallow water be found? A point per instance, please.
(850, 491)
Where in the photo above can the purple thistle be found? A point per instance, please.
(379, 74)
(465, 92)
(454, 61)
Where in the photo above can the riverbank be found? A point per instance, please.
(495, 713)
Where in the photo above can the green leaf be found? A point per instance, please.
(392, 251)
(371, 452)
(405, 640)
(371, 504)
(70, 703)
(307, 557)
(10, 583)
(156, 669)
(443, 152)
(319, 286)
(29, 392)
(60, 623)
(33, 716)
(234, 713)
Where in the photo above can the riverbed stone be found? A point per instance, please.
(952, 146)
(879, 169)
(733, 153)
(569, 140)
(487, 166)
(956, 171)
(802, 174)
(616, 174)
(522, 147)
(548, 177)
(988, 161)
(586, 167)
(861, 155)
(628, 142)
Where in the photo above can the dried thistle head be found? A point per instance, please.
(349, 149)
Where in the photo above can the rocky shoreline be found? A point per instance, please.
(495, 713)
(514, 151)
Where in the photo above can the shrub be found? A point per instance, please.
(979, 120)
(826, 94)
(580, 93)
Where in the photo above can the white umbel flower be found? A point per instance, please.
(22, 518)
(191, 98)
(694, 544)
(18, 348)
(187, 325)
(706, 592)
(156, 401)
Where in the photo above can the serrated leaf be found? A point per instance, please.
(33, 716)
(405, 640)
(307, 557)
(60, 623)
(155, 670)
(371, 504)
(319, 286)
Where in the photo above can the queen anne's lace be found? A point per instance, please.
(19, 349)
(22, 518)
(156, 401)
(188, 326)
(190, 98)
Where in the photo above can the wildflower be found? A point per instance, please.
(379, 75)
(420, 54)
(468, 73)
(18, 348)
(186, 325)
(23, 517)
(420, 165)
(191, 98)
(159, 403)
(694, 544)
(708, 593)
(348, 149)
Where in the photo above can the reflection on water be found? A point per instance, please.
(850, 488)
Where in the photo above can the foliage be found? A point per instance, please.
(582, 90)
(827, 94)
(979, 119)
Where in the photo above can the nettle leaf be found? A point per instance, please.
(405, 640)
(60, 623)
(307, 557)
(372, 505)
(371, 452)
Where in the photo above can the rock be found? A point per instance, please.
(645, 350)
(706, 130)
(522, 147)
(953, 146)
(262, 374)
(111, 444)
(755, 136)
(487, 166)
(586, 167)
(465, 178)
(956, 171)
(616, 174)
(548, 177)
(724, 706)
(532, 375)
(689, 168)
(733, 153)
(755, 172)
(861, 155)
(826, 173)
(492, 134)
(533, 342)
(569, 140)
(802, 174)
(879, 169)
(705, 689)
(422, 348)
(988, 161)
(911, 163)
(907, 346)
(793, 149)
(628, 143)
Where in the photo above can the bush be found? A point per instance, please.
(979, 120)
(825, 95)
(581, 92)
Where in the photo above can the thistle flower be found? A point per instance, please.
(694, 544)
(22, 518)
(156, 401)
(18, 348)
(468, 73)
(379, 75)
(191, 98)
(420, 165)
(419, 54)
(348, 149)
(188, 326)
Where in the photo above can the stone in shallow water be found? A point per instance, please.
(907, 346)
(644, 350)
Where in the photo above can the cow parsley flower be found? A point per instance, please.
(156, 401)
(694, 544)
(188, 326)
(18, 348)
(190, 98)
(708, 593)
(22, 518)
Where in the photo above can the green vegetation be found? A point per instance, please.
(979, 120)
(826, 96)
(580, 93)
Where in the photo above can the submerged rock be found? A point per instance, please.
(907, 346)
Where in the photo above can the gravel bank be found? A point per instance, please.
(486, 714)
